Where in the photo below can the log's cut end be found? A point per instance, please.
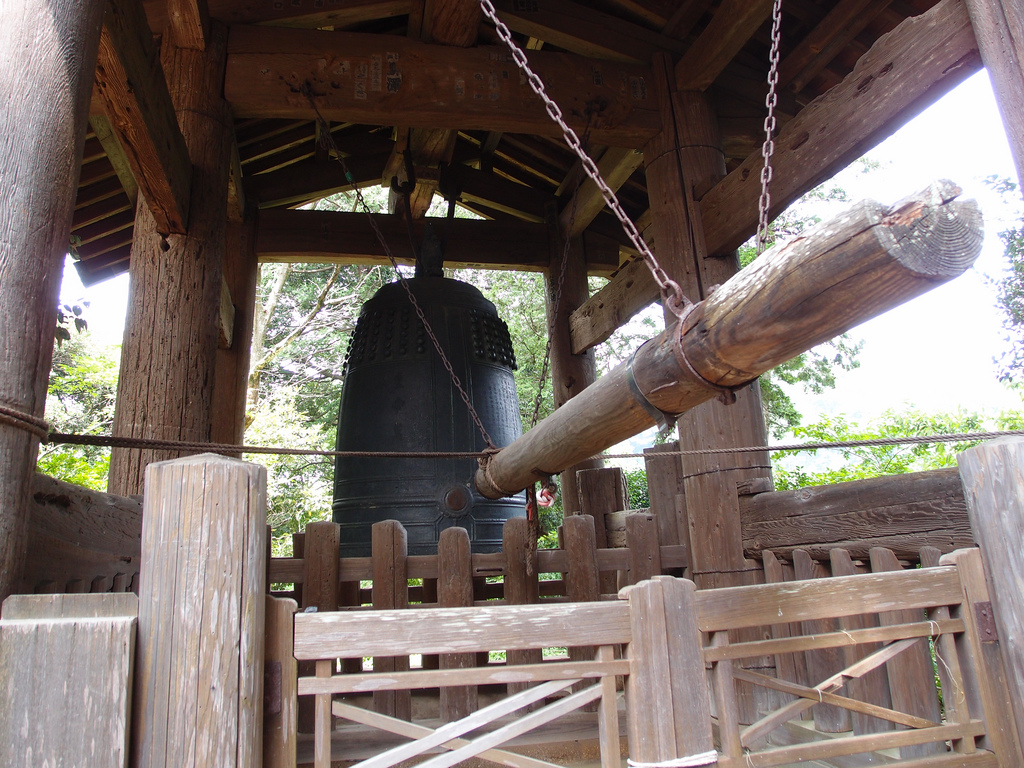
(933, 234)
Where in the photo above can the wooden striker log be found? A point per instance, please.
(840, 274)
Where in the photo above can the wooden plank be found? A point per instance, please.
(520, 584)
(821, 663)
(735, 607)
(664, 486)
(130, 82)
(356, 634)
(306, 181)
(390, 591)
(413, 731)
(455, 590)
(905, 511)
(280, 725)
(642, 543)
(431, 86)
(367, 682)
(116, 155)
(873, 687)
(608, 711)
(911, 677)
(198, 696)
(767, 314)
(320, 586)
(985, 676)
(905, 71)
(62, 651)
(999, 27)
(732, 26)
(322, 738)
(583, 579)
(993, 476)
(788, 666)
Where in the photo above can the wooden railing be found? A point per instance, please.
(681, 663)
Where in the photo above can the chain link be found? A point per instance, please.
(328, 139)
(770, 101)
(671, 293)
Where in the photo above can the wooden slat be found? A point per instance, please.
(434, 678)
(413, 731)
(822, 663)
(131, 85)
(455, 590)
(390, 591)
(439, 90)
(905, 70)
(911, 677)
(521, 585)
(320, 591)
(734, 23)
(351, 635)
(735, 607)
(792, 665)
(280, 733)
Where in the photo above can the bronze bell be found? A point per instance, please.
(397, 396)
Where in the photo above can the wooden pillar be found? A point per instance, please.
(993, 478)
(321, 585)
(570, 374)
(231, 380)
(390, 547)
(169, 353)
(455, 590)
(680, 160)
(198, 696)
(999, 29)
(47, 58)
(667, 704)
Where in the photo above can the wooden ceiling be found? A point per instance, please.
(461, 111)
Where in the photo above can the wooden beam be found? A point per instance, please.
(47, 60)
(131, 85)
(812, 54)
(734, 23)
(999, 27)
(616, 166)
(903, 513)
(310, 180)
(348, 238)
(904, 72)
(384, 80)
(585, 31)
(311, 14)
(115, 154)
(789, 300)
(499, 193)
(189, 23)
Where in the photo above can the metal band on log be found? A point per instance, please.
(838, 275)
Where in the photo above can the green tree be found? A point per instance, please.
(1009, 287)
(80, 400)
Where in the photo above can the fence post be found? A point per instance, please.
(280, 700)
(644, 551)
(390, 549)
(521, 587)
(667, 703)
(199, 667)
(321, 554)
(993, 478)
(455, 590)
(602, 491)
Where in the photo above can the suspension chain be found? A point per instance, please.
(671, 293)
(326, 137)
(770, 101)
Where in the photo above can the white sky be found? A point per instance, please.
(935, 352)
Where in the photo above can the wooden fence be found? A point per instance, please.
(681, 664)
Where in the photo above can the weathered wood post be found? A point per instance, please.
(455, 590)
(168, 359)
(993, 478)
(390, 547)
(321, 547)
(667, 703)
(570, 374)
(47, 59)
(198, 697)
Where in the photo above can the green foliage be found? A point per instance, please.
(1010, 288)
(636, 488)
(83, 384)
(298, 487)
(875, 461)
